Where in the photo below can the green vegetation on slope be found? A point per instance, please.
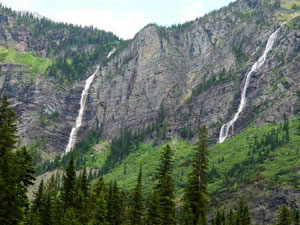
(257, 153)
(229, 168)
(36, 64)
(74, 49)
(290, 4)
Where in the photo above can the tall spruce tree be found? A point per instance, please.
(16, 170)
(242, 215)
(69, 184)
(136, 213)
(296, 217)
(82, 198)
(153, 213)
(165, 187)
(195, 195)
(284, 216)
(114, 208)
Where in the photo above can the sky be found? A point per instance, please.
(122, 17)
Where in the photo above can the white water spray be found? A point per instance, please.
(112, 52)
(226, 127)
(84, 95)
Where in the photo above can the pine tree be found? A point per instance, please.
(195, 197)
(16, 170)
(296, 217)
(84, 184)
(69, 183)
(81, 198)
(165, 187)
(230, 218)
(99, 216)
(284, 216)
(114, 207)
(70, 217)
(218, 218)
(242, 215)
(136, 214)
(38, 198)
(154, 214)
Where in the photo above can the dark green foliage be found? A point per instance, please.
(195, 196)
(165, 187)
(284, 216)
(154, 213)
(16, 171)
(296, 217)
(136, 213)
(72, 60)
(38, 198)
(82, 197)
(119, 149)
(239, 217)
(242, 216)
(187, 133)
(114, 212)
(99, 216)
(68, 189)
(79, 154)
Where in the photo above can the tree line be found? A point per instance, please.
(73, 200)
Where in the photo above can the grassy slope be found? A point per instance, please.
(278, 168)
(288, 4)
(36, 64)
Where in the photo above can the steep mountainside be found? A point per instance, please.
(196, 72)
(43, 67)
(184, 76)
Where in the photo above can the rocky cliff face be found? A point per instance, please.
(196, 71)
(47, 109)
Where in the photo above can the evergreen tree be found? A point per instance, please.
(114, 207)
(70, 217)
(296, 217)
(242, 215)
(38, 198)
(218, 219)
(298, 126)
(154, 214)
(284, 216)
(195, 198)
(230, 218)
(165, 187)
(16, 171)
(84, 184)
(69, 183)
(82, 197)
(136, 214)
(99, 216)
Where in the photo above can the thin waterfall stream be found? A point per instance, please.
(224, 132)
(78, 124)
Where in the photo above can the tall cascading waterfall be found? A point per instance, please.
(84, 95)
(226, 127)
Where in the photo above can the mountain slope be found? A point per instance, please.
(43, 65)
(196, 72)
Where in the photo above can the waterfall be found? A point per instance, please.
(84, 95)
(225, 128)
(112, 52)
